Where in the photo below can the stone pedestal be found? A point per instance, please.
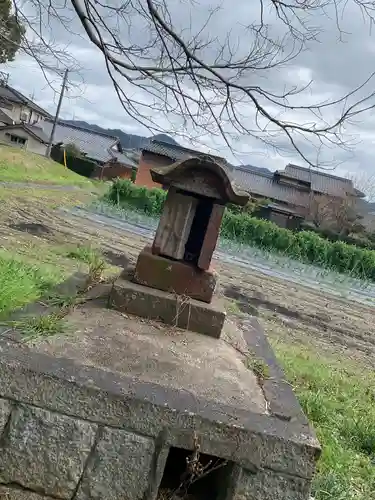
(174, 276)
(172, 309)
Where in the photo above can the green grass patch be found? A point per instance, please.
(339, 400)
(93, 258)
(41, 326)
(304, 246)
(258, 366)
(17, 165)
(87, 254)
(22, 282)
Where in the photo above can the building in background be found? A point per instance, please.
(20, 121)
(160, 153)
(25, 136)
(105, 150)
(17, 108)
(287, 192)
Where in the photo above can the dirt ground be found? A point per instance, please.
(329, 324)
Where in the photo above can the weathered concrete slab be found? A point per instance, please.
(145, 302)
(152, 352)
(14, 493)
(268, 485)
(114, 393)
(67, 375)
(173, 276)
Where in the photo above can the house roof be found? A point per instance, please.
(321, 182)
(32, 130)
(5, 118)
(284, 209)
(97, 146)
(265, 185)
(9, 94)
(176, 152)
(124, 159)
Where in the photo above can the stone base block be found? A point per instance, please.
(193, 315)
(174, 276)
(271, 485)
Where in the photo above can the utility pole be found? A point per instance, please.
(63, 87)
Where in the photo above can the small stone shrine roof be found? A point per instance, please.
(202, 176)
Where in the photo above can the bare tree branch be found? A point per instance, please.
(205, 80)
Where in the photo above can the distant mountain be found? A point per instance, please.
(128, 141)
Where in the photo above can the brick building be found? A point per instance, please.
(159, 153)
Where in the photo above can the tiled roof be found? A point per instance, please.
(176, 152)
(37, 131)
(123, 158)
(265, 185)
(321, 182)
(9, 94)
(97, 146)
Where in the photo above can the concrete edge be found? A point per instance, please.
(61, 385)
(279, 394)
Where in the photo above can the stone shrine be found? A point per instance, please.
(178, 264)
(117, 407)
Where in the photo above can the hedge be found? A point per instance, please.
(79, 165)
(242, 228)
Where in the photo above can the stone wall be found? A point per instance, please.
(79, 432)
(76, 432)
(51, 455)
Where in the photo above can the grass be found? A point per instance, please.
(231, 307)
(49, 198)
(87, 254)
(339, 399)
(22, 281)
(258, 366)
(93, 258)
(41, 326)
(17, 165)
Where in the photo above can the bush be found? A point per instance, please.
(150, 201)
(360, 240)
(238, 226)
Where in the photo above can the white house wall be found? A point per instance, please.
(17, 109)
(32, 144)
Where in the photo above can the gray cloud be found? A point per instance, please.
(334, 66)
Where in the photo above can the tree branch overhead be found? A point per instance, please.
(209, 80)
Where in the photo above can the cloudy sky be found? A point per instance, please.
(331, 65)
